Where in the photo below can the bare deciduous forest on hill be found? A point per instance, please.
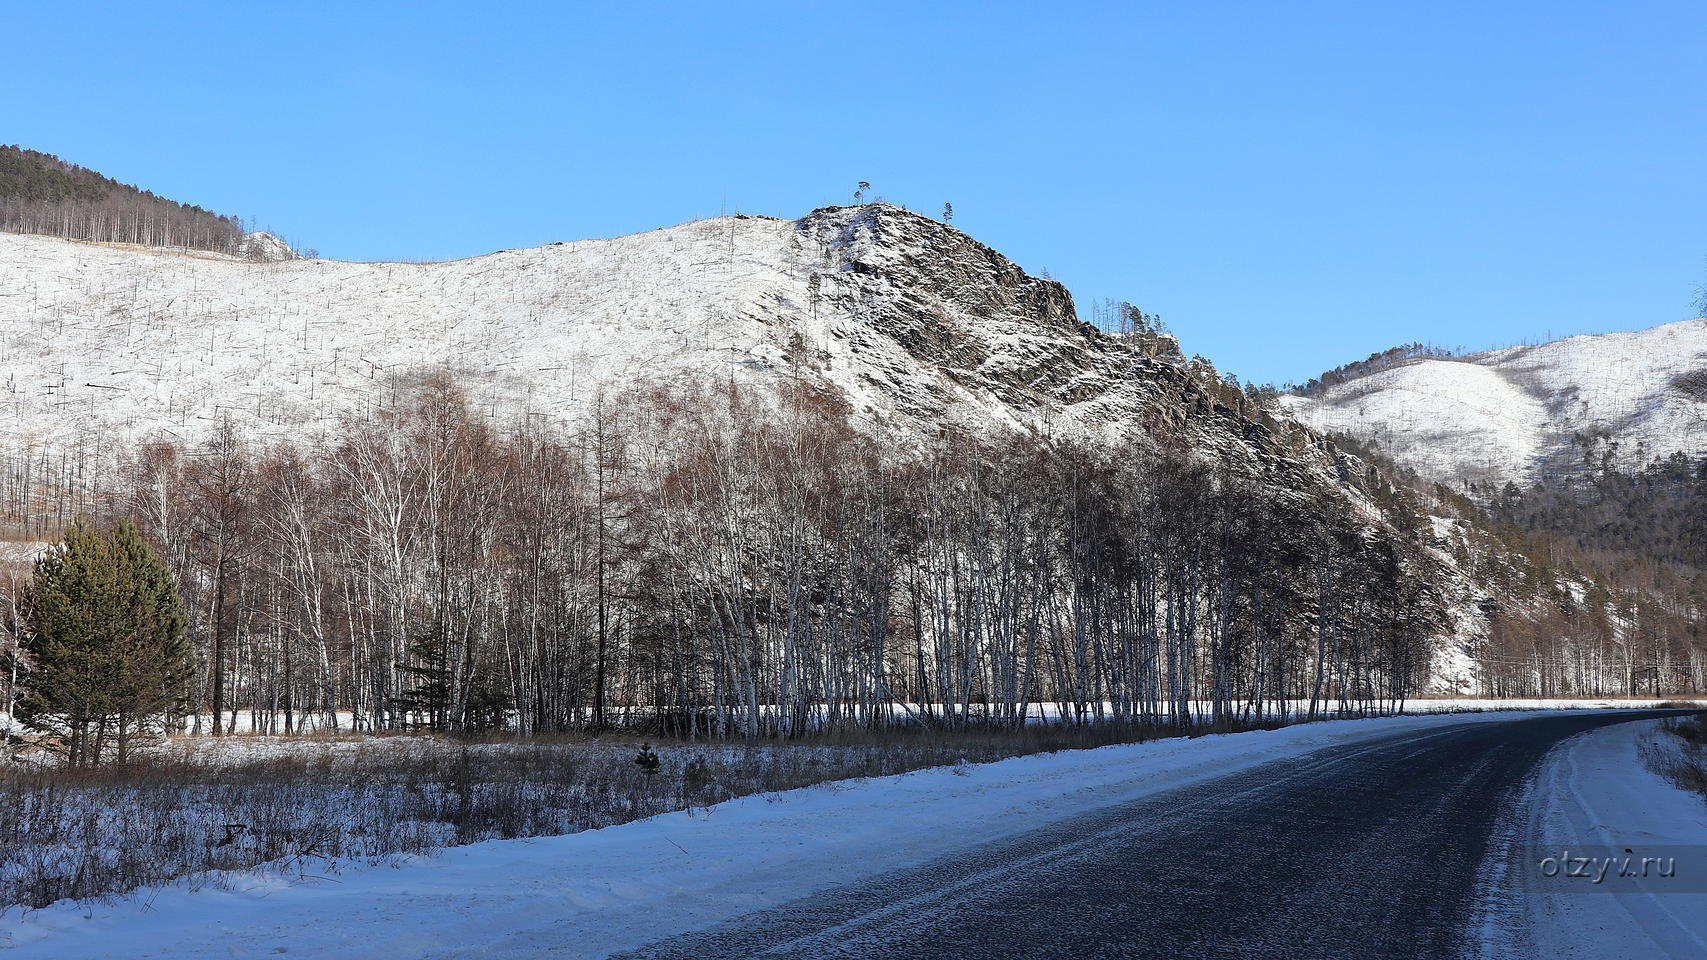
(707, 563)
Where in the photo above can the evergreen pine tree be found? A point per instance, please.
(428, 694)
(103, 635)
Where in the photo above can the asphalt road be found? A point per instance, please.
(1366, 851)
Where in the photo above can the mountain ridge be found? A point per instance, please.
(916, 328)
(1520, 414)
(857, 296)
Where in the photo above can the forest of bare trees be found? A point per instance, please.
(711, 563)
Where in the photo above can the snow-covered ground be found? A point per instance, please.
(1594, 796)
(1501, 414)
(592, 893)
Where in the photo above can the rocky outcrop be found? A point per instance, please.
(264, 248)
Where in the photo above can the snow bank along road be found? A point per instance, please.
(1357, 839)
(1593, 797)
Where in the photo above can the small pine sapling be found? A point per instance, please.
(647, 760)
(696, 777)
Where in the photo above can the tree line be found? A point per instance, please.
(708, 561)
(1616, 560)
(40, 193)
(1656, 510)
(1374, 363)
(1591, 583)
(713, 562)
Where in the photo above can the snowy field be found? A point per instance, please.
(592, 893)
(197, 809)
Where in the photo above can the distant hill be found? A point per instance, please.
(40, 193)
(1526, 414)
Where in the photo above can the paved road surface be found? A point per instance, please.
(1365, 852)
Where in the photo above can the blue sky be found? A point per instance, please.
(1291, 185)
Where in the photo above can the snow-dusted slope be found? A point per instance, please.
(912, 320)
(916, 325)
(1509, 413)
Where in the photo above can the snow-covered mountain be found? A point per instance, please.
(1513, 414)
(915, 323)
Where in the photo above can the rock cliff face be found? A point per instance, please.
(264, 247)
(921, 323)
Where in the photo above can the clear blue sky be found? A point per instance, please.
(1291, 185)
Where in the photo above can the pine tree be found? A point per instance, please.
(103, 635)
(429, 695)
(647, 760)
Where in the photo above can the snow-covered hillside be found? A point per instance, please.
(1507, 414)
(910, 319)
(916, 325)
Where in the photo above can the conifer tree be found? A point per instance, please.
(103, 635)
(429, 695)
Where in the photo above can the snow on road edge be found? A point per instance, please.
(592, 893)
(1593, 792)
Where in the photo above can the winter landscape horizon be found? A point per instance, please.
(564, 481)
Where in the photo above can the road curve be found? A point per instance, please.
(1366, 851)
